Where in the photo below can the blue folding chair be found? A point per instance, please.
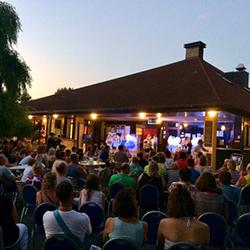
(96, 215)
(242, 236)
(153, 219)
(59, 241)
(232, 210)
(37, 227)
(29, 197)
(148, 198)
(120, 244)
(183, 246)
(217, 228)
(245, 200)
(113, 191)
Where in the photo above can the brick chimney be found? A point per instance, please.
(194, 49)
(240, 76)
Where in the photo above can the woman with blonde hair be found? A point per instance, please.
(152, 178)
(48, 191)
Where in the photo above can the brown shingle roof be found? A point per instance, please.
(191, 84)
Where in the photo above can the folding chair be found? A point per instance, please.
(59, 241)
(183, 246)
(217, 228)
(29, 197)
(121, 244)
(153, 219)
(37, 227)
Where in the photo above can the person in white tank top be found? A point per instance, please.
(92, 192)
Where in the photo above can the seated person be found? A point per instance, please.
(244, 177)
(161, 166)
(209, 197)
(7, 177)
(230, 192)
(36, 178)
(126, 223)
(92, 192)
(48, 190)
(135, 168)
(185, 180)
(27, 173)
(77, 223)
(76, 171)
(235, 175)
(123, 177)
(13, 234)
(181, 224)
(61, 172)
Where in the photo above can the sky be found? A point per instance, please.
(75, 43)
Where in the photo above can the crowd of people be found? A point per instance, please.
(187, 187)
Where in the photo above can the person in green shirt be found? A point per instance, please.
(123, 177)
(135, 168)
(162, 169)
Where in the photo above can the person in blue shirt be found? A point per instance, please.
(230, 192)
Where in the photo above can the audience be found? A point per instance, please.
(92, 192)
(235, 175)
(185, 180)
(13, 234)
(48, 190)
(77, 223)
(230, 192)
(61, 172)
(181, 224)
(123, 177)
(37, 175)
(135, 168)
(126, 223)
(244, 179)
(209, 197)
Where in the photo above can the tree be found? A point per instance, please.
(64, 90)
(14, 76)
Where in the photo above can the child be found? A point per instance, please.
(36, 178)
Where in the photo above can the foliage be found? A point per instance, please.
(14, 76)
(64, 90)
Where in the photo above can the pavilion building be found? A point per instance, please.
(187, 100)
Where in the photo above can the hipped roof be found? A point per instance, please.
(188, 85)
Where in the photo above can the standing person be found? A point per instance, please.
(51, 143)
(181, 224)
(126, 223)
(13, 234)
(199, 148)
(77, 223)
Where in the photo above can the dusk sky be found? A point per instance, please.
(76, 43)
